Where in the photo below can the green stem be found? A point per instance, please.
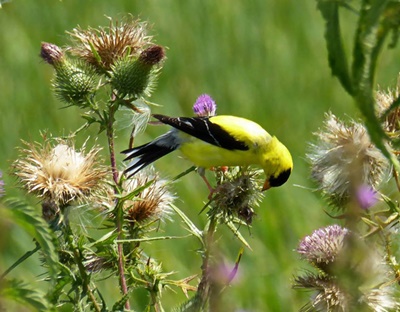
(119, 214)
(110, 138)
(82, 270)
(203, 290)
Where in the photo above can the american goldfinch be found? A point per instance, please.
(217, 141)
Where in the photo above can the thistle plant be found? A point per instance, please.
(109, 73)
(355, 265)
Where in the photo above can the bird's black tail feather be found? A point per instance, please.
(144, 155)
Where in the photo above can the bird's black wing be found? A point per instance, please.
(203, 129)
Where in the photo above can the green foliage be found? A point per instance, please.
(22, 293)
(263, 60)
(372, 29)
(27, 218)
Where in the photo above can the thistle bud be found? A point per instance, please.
(51, 54)
(136, 77)
(74, 83)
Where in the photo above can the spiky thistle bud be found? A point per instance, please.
(236, 194)
(343, 159)
(74, 82)
(137, 77)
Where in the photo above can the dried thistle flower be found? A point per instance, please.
(104, 46)
(384, 100)
(323, 245)
(237, 193)
(343, 159)
(329, 296)
(58, 173)
(153, 202)
(382, 299)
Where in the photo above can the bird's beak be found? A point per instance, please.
(266, 186)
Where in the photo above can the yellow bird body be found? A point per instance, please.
(218, 141)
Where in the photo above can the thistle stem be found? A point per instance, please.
(119, 218)
(110, 138)
(203, 290)
(79, 262)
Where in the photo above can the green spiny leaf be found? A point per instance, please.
(28, 219)
(336, 54)
(192, 228)
(369, 40)
(20, 292)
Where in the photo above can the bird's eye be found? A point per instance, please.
(280, 179)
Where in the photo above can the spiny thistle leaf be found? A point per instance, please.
(236, 232)
(28, 219)
(336, 54)
(20, 292)
(119, 305)
(192, 228)
(368, 44)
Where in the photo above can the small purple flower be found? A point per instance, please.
(1, 184)
(323, 245)
(51, 53)
(204, 106)
(366, 197)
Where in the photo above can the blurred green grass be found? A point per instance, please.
(263, 60)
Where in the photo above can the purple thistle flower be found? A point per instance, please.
(204, 106)
(366, 197)
(1, 184)
(323, 245)
(51, 53)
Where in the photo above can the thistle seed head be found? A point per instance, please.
(343, 159)
(151, 203)
(58, 173)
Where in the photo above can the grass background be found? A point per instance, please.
(263, 60)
